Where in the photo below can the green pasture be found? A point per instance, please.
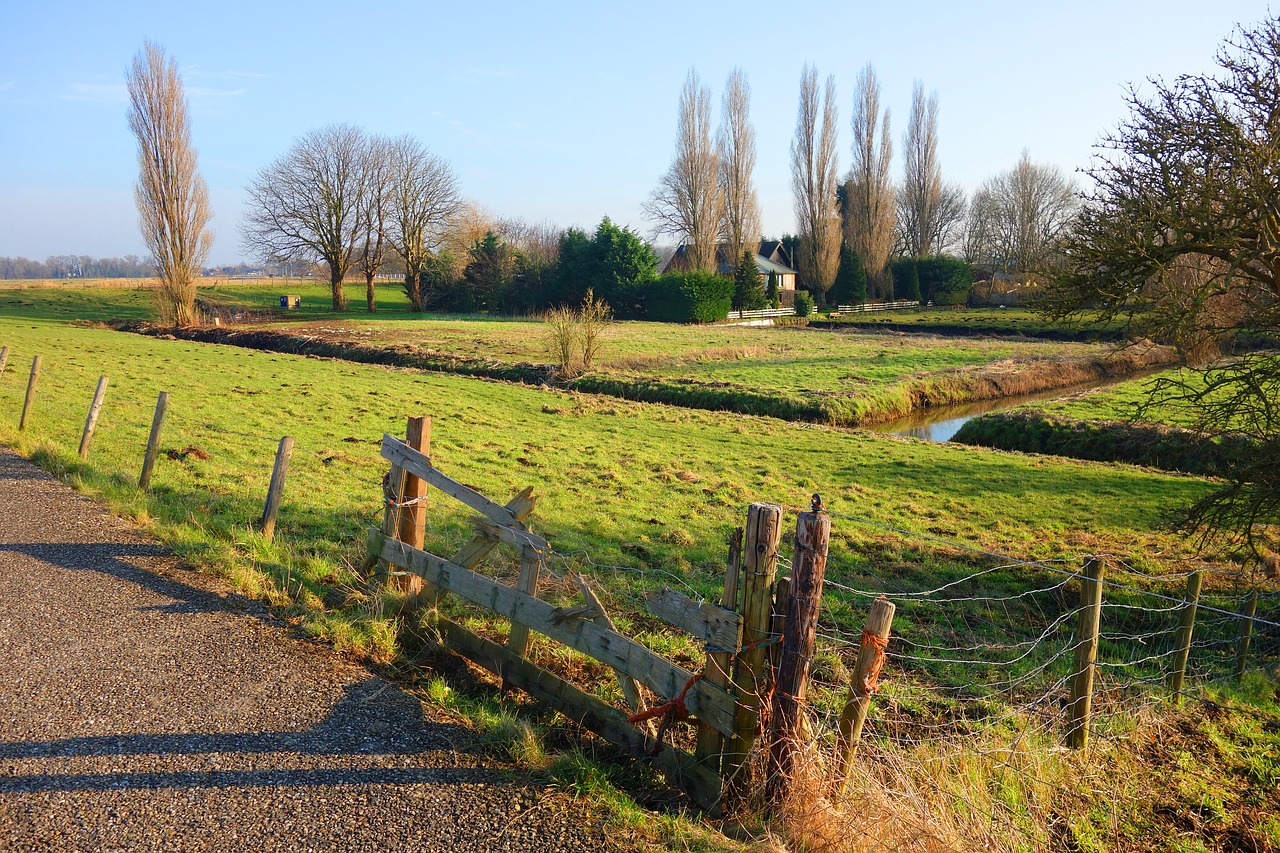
(978, 321)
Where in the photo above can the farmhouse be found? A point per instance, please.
(771, 257)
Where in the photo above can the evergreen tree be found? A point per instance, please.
(851, 281)
(747, 295)
(489, 272)
(772, 295)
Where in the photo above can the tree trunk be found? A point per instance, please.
(368, 292)
(413, 287)
(335, 285)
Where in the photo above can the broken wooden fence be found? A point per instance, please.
(584, 628)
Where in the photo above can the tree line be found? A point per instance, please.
(852, 230)
(76, 266)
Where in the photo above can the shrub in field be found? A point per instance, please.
(575, 335)
(689, 298)
(804, 303)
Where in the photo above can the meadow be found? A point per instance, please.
(637, 495)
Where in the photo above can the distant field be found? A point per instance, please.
(979, 321)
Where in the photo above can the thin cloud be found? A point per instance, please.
(466, 130)
(7, 85)
(96, 93)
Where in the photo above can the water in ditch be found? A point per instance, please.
(941, 423)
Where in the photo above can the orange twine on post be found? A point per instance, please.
(880, 644)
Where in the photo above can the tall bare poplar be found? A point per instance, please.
(173, 201)
(307, 204)
(423, 200)
(921, 200)
(870, 206)
(687, 202)
(813, 180)
(736, 143)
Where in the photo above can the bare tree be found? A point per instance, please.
(687, 202)
(944, 228)
(172, 199)
(921, 192)
(813, 180)
(1018, 218)
(869, 195)
(307, 204)
(373, 250)
(736, 143)
(422, 200)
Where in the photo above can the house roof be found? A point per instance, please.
(677, 260)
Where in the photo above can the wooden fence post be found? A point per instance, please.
(764, 529)
(527, 582)
(413, 518)
(870, 658)
(1186, 627)
(1248, 609)
(710, 742)
(31, 394)
(153, 441)
(4, 359)
(267, 524)
(808, 569)
(91, 422)
(1088, 621)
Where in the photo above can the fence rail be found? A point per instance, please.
(867, 307)
(762, 314)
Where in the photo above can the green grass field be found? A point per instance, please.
(636, 496)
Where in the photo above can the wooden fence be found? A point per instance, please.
(724, 697)
(867, 307)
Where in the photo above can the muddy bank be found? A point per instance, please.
(961, 330)
(1152, 445)
(1006, 378)
(395, 355)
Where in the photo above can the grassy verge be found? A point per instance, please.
(967, 322)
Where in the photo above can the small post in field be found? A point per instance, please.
(808, 569)
(91, 422)
(267, 524)
(1186, 627)
(1248, 609)
(1088, 621)
(31, 393)
(750, 673)
(875, 636)
(153, 441)
(711, 742)
(4, 359)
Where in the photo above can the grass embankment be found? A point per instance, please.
(637, 496)
(968, 322)
(811, 375)
(1123, 422)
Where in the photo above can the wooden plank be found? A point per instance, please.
(527, 582)
(397, 452)
(710, 743)
(708, 622)
(473, 553)
(520, 538)
(630, 689)
(680, 768)
(712, 705)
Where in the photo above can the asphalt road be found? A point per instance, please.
(144, 706)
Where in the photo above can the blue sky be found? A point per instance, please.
(563, 112)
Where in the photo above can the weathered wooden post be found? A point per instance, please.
(808, 569)
(875, 637)
(267, 524)
(1248, 609)
(31, 393)
(527, 582)
(710, 742)
(153, 441)
(4, 359)
(412, 514)
(1088, 621)
(1186, 627)
(91, 422)
(764, 529)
